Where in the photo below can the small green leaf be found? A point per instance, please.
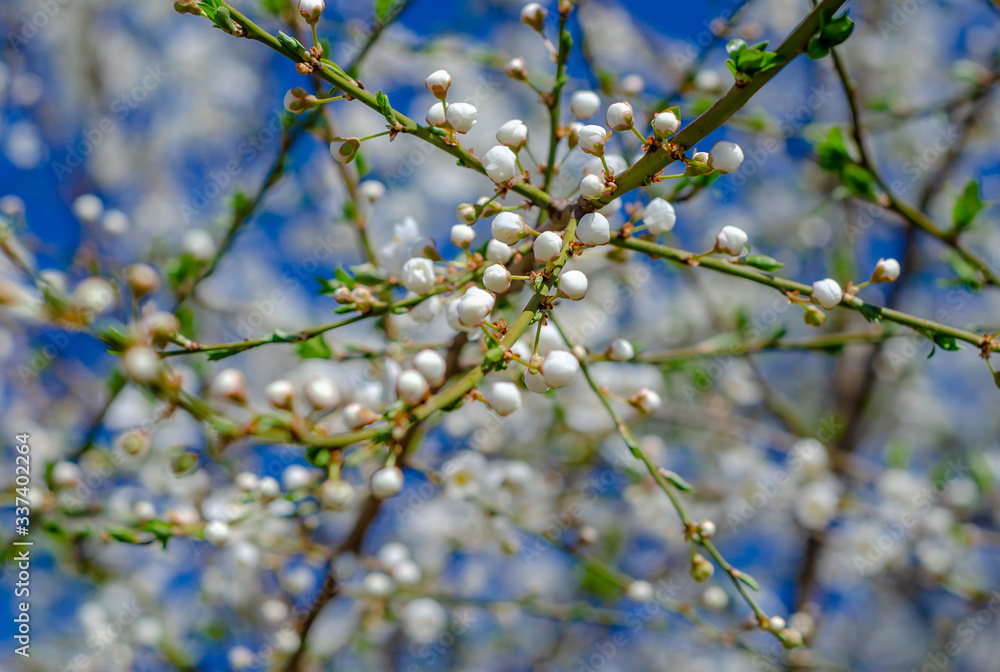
(762, 262)
(677, 481)
(314, 348)
(344, 277)
(968, 205)
(383, 9)
(946, 342)
(747, 580)
(870, 312)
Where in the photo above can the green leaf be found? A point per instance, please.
(762, 262)
(314, 348)
(383, 9)
(946, 342)
(747, 580)
(677, 481)
(368, 275)
(870, 312)
(832, 152)
(816, 49)
(344, 277)
(383, 105)
(860, 181)
(968, 205)
(835, 31)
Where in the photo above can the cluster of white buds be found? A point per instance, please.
(584, 104)
(725, 157)
(547, 246)
(311, 10)
(886, 270)
(508, 228)
(659, 216)
(298, 100)
(593, 229)
(827, 293)
(731, 240)
(619, 116)
(496, 278)
(500, 163)
(418, 275)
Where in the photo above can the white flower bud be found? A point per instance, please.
(418, 275)
(141, 364)
(344, 151)
(424, 619)
(646, 400)
(513, 134)
(500, 163)
(94, 295)
(592, 139)
(371, 190)
(726, 157)
(298, 100)
(533, 15)
(431, 366)
(535, 382)
(508, 227)
(462, 235)
(620, 350)
(640, 591)
(573, 284)
(88, 208)
(336, 495)
(160, 326)
(438, 83)
(462, 117)
(387, 482)
(198, 244)
(666, 123)
(377, 584)
(707, 80)
(559, 368)
(619, 116)
(776, 623)
(357, 416)
(591, 187)
(731, 240)
(593, 229)
(311, 10)
(474, 307)
(115, 222)
(406, 573)
(246, 481)
(217, 532)
(886, 270)
(633, 84)
(436, 115)
(496, 278)
(269, 487)
(706, 529)
(659, 216)
(715, 598)
(321, 393)
(584, 104)
(547, 246)
(504, 398)
(498, 251)
(517, 69)
(65, 474)
(229, 384)
(411, 386)
(827, 293)
(143, 279)
(392, 554)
